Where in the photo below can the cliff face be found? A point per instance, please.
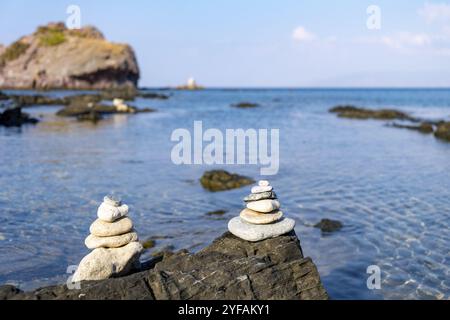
(55, 57)
(229, 268)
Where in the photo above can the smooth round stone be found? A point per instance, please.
(113, 201)
(254, 217)
(264, 206)
(254, 232)
(109, 213)
(104, 263)
(263, 183)
(93, 242)
(260, 196)
(102, 228)
(259, 189)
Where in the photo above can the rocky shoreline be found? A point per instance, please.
(229, 268)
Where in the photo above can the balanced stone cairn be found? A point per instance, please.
(262, 217)
(114, 242)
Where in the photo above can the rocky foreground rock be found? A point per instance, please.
(54, 57)
(229, 268)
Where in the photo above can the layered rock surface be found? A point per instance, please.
(56, 57)
(229, 268)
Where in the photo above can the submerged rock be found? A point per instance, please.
(229, 268)
(443, 131)
(60, 58)
(92, 116)
(424, 127)
(353, 112)
(14, 117)
(152, 95)
(327, 225)
(245, 105)
(221, 180)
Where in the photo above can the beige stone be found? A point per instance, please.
(265, 206)
(102, 228)
(93, 242)
(254, 217)
(104, 263)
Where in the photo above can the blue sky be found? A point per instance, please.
(284, 43)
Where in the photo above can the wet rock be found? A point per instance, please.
(245, 105)
(76, 110)
(152, 95)
(36, 100)
(148, 244)
(443, 131)
(54, 57)
(216, 213)
(353, 112)
(92, 116)
(229, 268)
(327, 225)
(221, 180)
(424, 127)
(14, 117)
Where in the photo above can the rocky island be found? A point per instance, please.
(54, 57)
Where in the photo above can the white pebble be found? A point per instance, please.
(263, 183)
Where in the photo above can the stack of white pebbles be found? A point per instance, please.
(262, 217)
(114, 242)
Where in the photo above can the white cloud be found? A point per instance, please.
(300, 34)
(407, 40)
(435, 12)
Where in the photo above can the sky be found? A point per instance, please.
(283, 43)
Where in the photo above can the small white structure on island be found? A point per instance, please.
(191, 84)
(262, 217)
(120, 105)
(114, 242)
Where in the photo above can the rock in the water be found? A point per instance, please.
(260, 196)
(102, 228)
(362, 113)
(15, 118)
(327, 225)
(220, 180)
(424, 127)
(254, 217)
(229, 268)
(109, 213)
(105, 263)
(60, 58)
(92, 116)
(259, 189)
(93, 242)
(443, 131)
(245, 105)
(252, 232)
(264, 206)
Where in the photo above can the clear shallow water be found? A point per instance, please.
(389, 187)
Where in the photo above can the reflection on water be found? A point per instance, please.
(388, 187)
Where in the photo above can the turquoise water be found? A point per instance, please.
(389, 187)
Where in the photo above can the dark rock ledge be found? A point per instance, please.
(229, 268)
